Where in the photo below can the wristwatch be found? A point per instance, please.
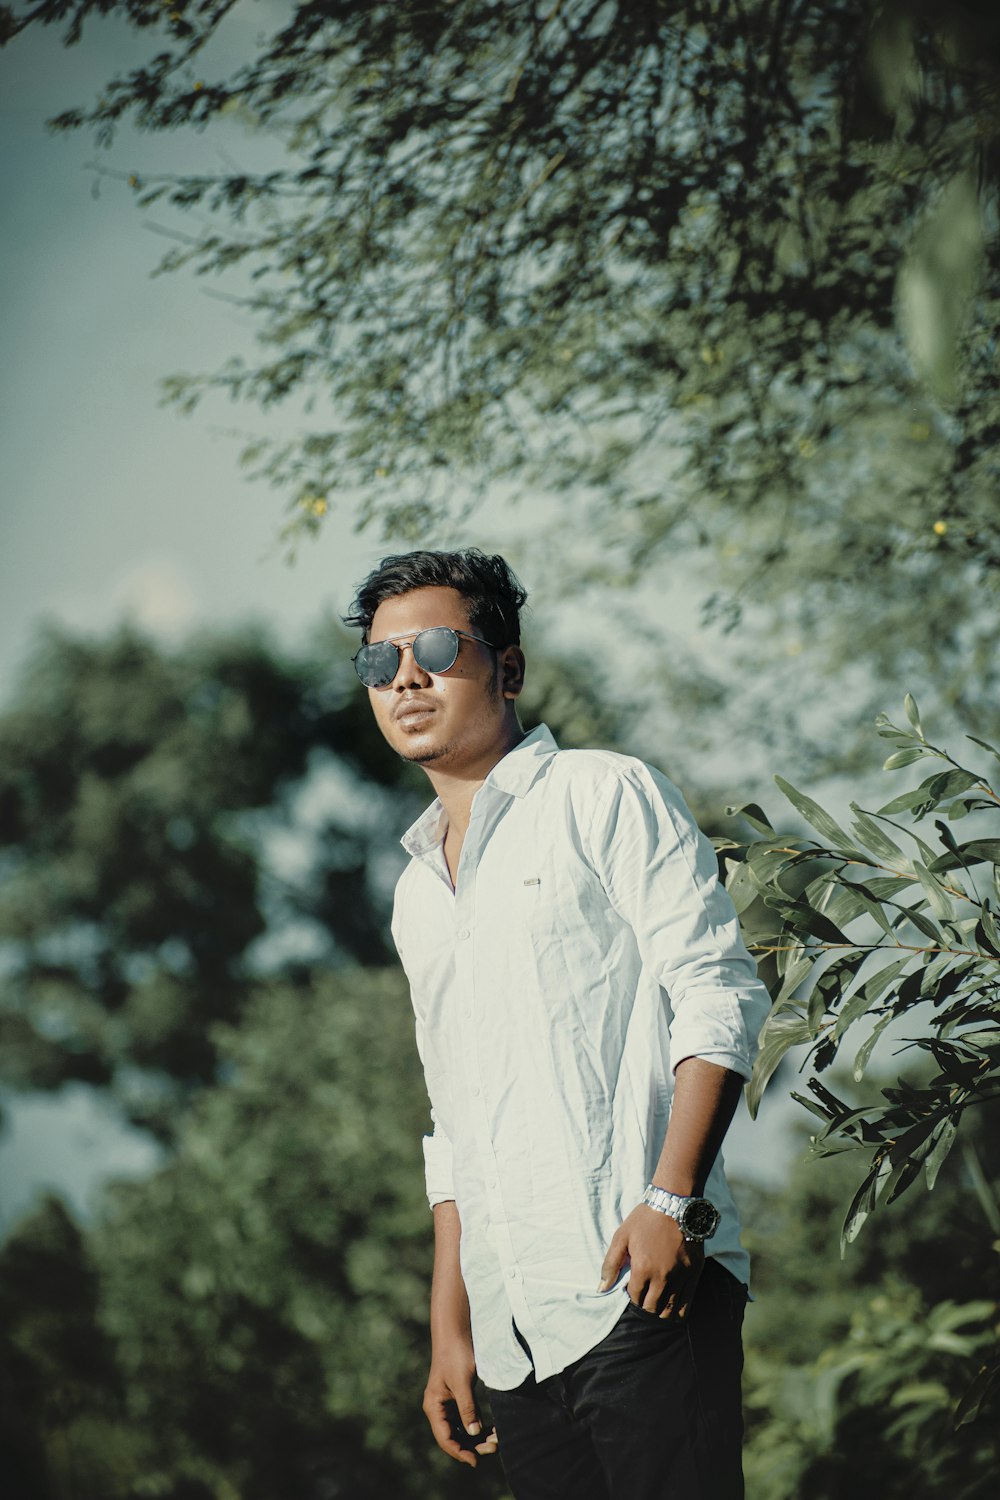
(697, 1218)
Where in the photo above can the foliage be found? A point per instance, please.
(720, 272)
(133, 785)
(876, 925)
(859, 1371)
(174, 823)
(264, 1294)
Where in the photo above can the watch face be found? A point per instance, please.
(700, 1219)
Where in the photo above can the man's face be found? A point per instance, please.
(450, 719)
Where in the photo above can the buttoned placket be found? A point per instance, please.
(488, 807)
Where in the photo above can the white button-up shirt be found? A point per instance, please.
(586, 949)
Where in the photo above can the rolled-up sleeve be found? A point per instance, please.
(437, 1166)
(661, 875)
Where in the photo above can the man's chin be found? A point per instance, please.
(421, 755)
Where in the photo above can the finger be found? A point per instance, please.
(654, 1295)
(613, 1261)
(440, 1427)
(488, 1445)
(468, 1413)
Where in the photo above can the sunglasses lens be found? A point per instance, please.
(376, 665)
(436, 650)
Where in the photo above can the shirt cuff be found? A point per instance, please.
(437, 1169)
(736, 1062)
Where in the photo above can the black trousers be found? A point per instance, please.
(652, 1412)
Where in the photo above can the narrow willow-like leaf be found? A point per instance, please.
(780, 1031)
(913, 713)
(817, 817)
(984, 745)
(863, 1203)
(905, 801)
(944, 1140)
(882, 887)
(873, 907)
(903, 1174)
(873, 836)
(986, 1377)
(795, 974)
(924, 925)
(754, 815)
(900, 758)
(741, 887)
(867, 1046)
(975, 852)
(949, 784)
(940, 902)
(864, 998)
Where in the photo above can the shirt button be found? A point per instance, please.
(468, 1014)
(463, 934)
(475, 1092)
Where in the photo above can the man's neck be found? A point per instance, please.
(456, 787)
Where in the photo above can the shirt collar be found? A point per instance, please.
(513, 774)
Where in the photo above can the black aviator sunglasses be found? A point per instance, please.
(434, 650)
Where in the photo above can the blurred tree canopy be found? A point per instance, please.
(859, 1370)
(251, 1320)
(138, 790)
(175, 824)
(722, 273)
(882, 922)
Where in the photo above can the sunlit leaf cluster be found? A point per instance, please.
(888, 922)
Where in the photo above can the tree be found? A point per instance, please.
(144, 794)
(264, 1294)
(717, 271)
(857, 1368)
(134, 791)
(877, 925)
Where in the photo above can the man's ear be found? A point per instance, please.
(512, 671)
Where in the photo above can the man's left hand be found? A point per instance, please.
(665, 1267)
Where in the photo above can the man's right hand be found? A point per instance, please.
(450, 1403)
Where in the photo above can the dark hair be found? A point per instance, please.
(493, 593)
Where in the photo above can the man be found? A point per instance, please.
(585, 1014)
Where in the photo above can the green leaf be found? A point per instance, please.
(988, 935)
(863, 1203)
(985, 1379)
(949, 784)
(817, 817)
(944, 1139)
(754, 815)
(905, 801)
(913, 713)
(794, 976)
(900, 758)
(984, 745)
(741, 887)
(867, 1046)
(781, 1030)
(975, 852)
(940, 902)
(864, 998)
(882, 887)
(925, 926)
(872, 835)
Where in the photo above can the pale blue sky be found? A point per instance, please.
(110, 501)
